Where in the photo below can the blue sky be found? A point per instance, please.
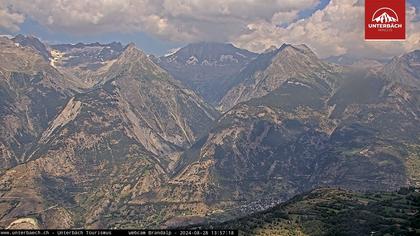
(156, 26)
(147, 42)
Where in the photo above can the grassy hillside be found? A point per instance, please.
(337, 212)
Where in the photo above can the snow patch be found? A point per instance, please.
(171, 52)
(298, 84)
(207, 63)
(55, 57)
(228, 58)
(192, 60)
(240, 54)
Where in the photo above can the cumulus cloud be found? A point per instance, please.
(176, 20)
(333, 31)
(252, 24)
(10, 20)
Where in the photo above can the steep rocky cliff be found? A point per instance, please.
(126, 145)
(101, 147)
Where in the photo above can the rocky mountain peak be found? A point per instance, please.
(130, 52)
(412, 57)
(131, 46)
(16, 57)
(67, 47)
(270, 49)
(27, 38)
(211, 54)
(203, 49)
(404, 69)
(34, 43)
(295, 50)
(208, 68)
(85, 63)
(134, 62)
(270, 70)
(297, 58)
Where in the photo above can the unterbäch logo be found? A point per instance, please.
(385, 20)
(385, 15)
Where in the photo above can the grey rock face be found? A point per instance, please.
(207, 68)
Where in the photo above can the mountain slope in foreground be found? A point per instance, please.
(136, 149)
(329, 211)
(97, 149)
(31, 94)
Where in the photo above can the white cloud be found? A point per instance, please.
(280, 18)
(176, 20)
(336, 30)
(9, 20)
(252, 24)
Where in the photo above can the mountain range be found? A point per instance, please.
(207, 68)
(105, 136)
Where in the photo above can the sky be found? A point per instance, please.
(329, 27)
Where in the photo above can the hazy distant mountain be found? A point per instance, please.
(361, 63)
(85, 64)
(90, 55)
(207, 68)
(404, 69)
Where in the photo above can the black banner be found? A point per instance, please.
(122, 232)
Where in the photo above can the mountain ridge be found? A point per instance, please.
(111, 139)
(206, 68)
(271, 69)
(125, 130)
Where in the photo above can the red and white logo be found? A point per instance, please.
(384, 15)
(385, 20)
